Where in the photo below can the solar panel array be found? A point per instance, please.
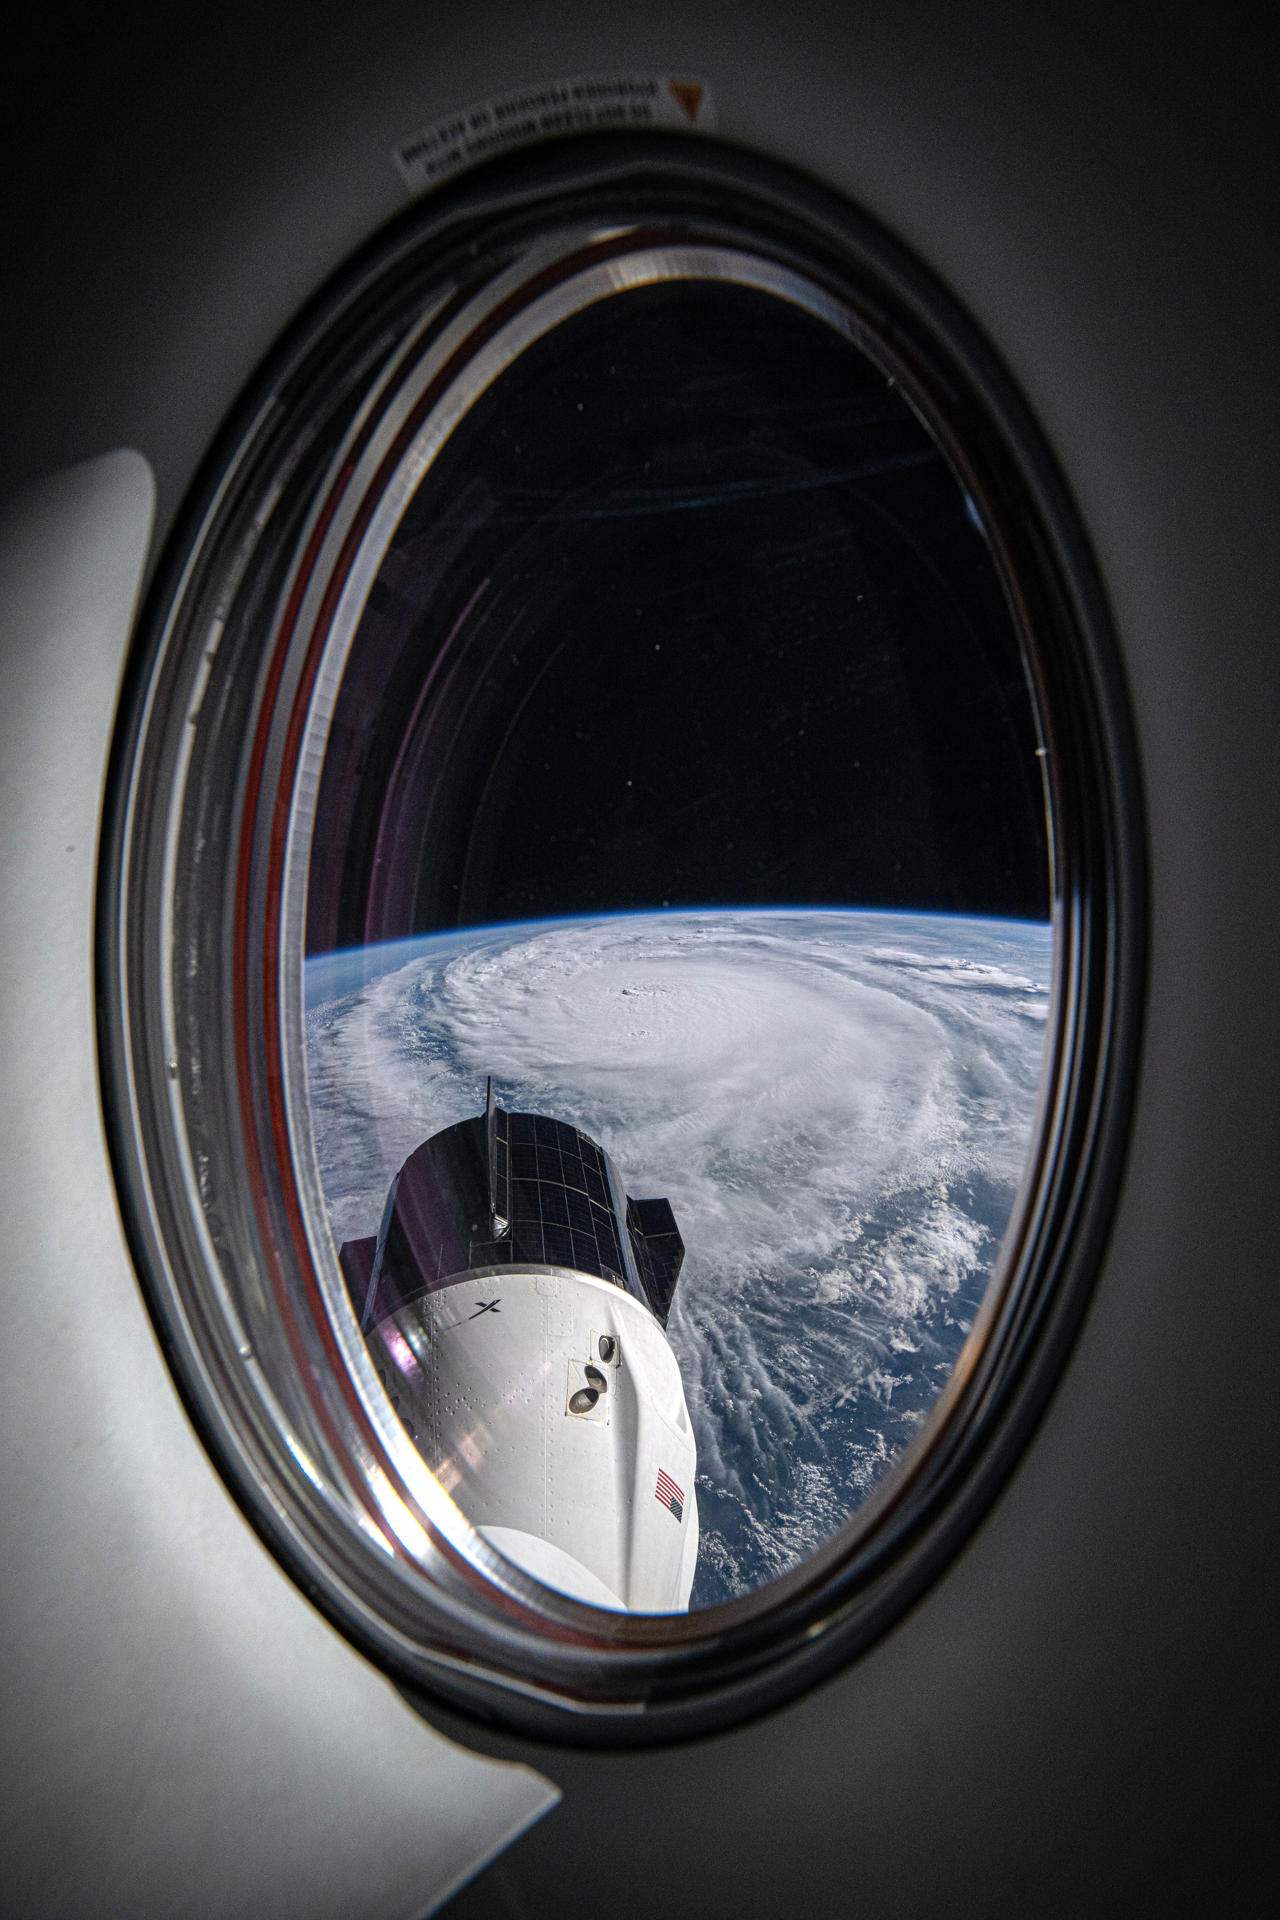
(659, 1251)
(561, 1209)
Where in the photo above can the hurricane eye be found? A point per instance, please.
(615, 930)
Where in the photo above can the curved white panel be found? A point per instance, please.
(211, 1743)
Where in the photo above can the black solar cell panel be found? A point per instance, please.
(555, 1203)
(580, 1213)
(586, 1254)
(549, 1164)
(526, 1242)
(559, 1245)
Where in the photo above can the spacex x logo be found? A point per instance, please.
(669, 1494)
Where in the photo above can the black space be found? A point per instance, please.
(690, 611)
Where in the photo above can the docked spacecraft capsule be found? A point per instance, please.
(516, 1301)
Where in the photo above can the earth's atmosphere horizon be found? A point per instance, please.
(839, 1104)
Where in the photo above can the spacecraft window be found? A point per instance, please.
(621, 917)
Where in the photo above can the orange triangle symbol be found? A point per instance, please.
(689, 95)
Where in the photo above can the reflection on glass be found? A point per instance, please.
(682, 780)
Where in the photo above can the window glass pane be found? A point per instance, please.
(683, 776)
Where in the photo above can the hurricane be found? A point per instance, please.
(840, 1106)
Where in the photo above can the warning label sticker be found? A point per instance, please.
(589, 104)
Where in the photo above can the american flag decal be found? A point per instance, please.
(670, 1494)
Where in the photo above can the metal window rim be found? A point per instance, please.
(536, 1660)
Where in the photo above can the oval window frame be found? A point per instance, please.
(287, 1415)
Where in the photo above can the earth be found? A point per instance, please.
(839, 1106)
